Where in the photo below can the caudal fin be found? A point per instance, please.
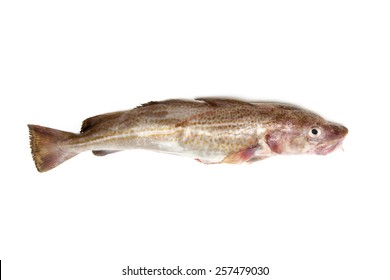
(47, 147)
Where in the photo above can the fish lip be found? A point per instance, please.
(328, 148)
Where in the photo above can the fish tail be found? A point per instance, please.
(46, 147)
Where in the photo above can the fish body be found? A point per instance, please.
(210, 130)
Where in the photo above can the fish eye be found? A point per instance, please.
(314, 132)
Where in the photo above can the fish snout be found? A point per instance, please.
(338, 131)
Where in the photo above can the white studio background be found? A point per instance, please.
(305, 217)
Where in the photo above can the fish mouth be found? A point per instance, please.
(328, 148)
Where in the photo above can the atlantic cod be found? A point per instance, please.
(211, 130)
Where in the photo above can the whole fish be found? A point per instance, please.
(210, 130)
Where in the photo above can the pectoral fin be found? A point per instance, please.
(241, 156)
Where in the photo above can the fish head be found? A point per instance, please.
(310, 135)
(331, 136)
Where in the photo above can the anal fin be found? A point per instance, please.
(101, 153)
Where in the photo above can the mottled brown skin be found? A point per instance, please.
(211, 130)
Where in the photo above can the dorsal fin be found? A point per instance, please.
(166, 102)
(211, 101)
(223, 102)
(92, 121)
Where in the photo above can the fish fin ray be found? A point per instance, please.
(101, 153)
(46, 147)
